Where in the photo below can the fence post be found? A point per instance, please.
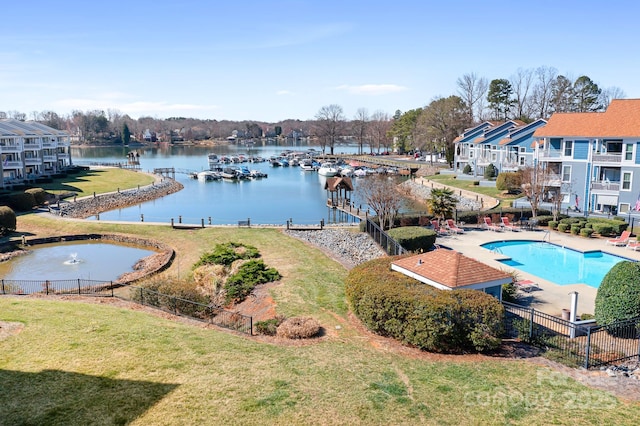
(141, 297)
(202, 222)
(250, 326)
(111, 282)
(531, 325)
(587, 349)
(209, 220)
(78, 286)
(3, 286)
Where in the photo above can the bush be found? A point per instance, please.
(395, 305)
(21, 202)
(509, 181)
(298, 328)
(467, 169)
(414, 238)
(562, 227)
(476, 183)
(552, 224)
(617, 226)
(226, 254)
(618, 296)
(7, 220)
(603, 229)
(39, 195)
(490, 171)
(586, 232)
(575, 229)
(269, 327)
(239, 285)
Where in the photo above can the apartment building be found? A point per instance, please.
(29, 150)
(593, 158)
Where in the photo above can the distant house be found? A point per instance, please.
(451, 270)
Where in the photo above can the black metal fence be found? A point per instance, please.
(384, 240)
(75, 286)
(588, 345)
(199, 311)
(165, 302)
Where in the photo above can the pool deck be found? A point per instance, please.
(550, 298)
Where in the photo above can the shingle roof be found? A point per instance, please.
(333, 183)
(451, 268)
(621, 119)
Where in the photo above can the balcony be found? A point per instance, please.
(11, 148)
(602, 185)
(607, 158)
(50, 158)
(554, 154)
(34, 161)
(34, 146)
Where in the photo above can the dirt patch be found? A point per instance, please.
(259, 305)
(8, 329)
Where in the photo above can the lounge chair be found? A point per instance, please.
(490, 226)
(507, 225)
(453, 228)
(435, 223)
(622, 240)
(527, 285)
(633, 245)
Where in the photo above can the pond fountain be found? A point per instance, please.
(74, 259)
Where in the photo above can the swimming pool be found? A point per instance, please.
(556, 263)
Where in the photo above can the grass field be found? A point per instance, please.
(81, 363)
(98, 180)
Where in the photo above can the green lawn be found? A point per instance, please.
(98, 181)
(469, 186)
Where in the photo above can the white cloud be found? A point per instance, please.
(133, 108)
(372, 89)
(284, 92)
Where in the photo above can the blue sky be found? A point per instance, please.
(272, 60)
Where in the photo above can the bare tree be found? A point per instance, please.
(535, 183)
(543, 91)
(329, 125)
(382, 195)
(378, 129)
(611, 93)
(521, 84)
(473, 90)
(359, 127)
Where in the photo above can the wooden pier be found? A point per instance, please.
(169, 172)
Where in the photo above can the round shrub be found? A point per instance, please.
(392, 304)
(586, 232)
(490, 171)
(575, 229)
(22, 202)
(414, 238)
(467, 169)
(7, 220)
(588, 225)
(562, 227)
(39, 194)
(298, 328)
(603, 229)
(552, 224)
(618, 296)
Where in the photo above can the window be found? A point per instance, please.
(624, 208)
(566, 173)
(568, 148)
(628, 152)
(626, 181)
(522, 163)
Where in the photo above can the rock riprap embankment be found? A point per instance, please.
(422, 192)
(350, 248)
(90, 206)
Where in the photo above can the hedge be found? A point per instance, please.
(394, 305)
(39, 195)
(7, 220)
(618, 296)
(21, 202)
(414, 238)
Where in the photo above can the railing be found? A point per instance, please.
(143, 296)
(605, 186)
(388, 244)
(575, 344)
(607, 158)
(199, 311)
(550, 154)
(51, 287)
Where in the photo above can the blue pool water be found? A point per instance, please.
(555, 263)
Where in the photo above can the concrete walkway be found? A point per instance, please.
(551, 298)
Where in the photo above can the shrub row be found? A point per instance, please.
(394, 305)
(414, 238)
(586, 227)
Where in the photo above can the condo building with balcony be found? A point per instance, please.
(29, 150)
(593, 158)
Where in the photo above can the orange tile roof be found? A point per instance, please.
(621, 119)
(451, 268)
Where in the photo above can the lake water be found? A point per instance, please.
(287, 192)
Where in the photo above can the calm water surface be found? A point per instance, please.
(287, 192)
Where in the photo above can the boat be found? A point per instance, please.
(214, 160)
(256, 174)
(346, 172)
(328, 169)
(229, 173)
(308, 166)
(208, 175)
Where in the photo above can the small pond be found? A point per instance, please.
(88, 260)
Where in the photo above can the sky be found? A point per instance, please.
(272, 60)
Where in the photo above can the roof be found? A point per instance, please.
(11, 127)
(620, 120)
(450, 269)
(334, 183)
